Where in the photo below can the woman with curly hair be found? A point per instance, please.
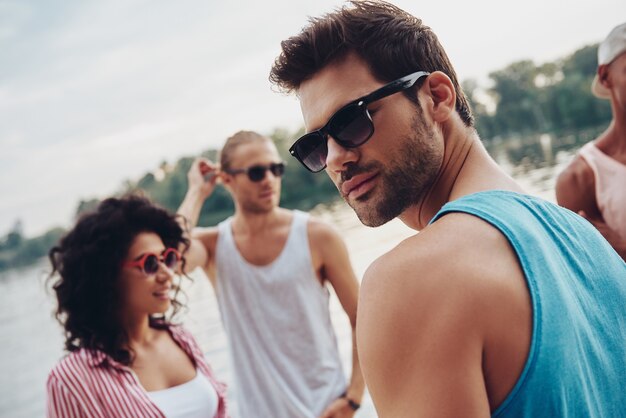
(114, 285)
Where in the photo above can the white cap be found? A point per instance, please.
(613, 46)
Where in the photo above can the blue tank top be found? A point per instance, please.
(576, 366)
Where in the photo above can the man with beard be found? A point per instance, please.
(503, 304)
(270, 268)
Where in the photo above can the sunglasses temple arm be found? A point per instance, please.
(394, 87)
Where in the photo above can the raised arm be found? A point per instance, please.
(337, 269)
(202, 178)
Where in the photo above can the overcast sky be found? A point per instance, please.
(96, 92)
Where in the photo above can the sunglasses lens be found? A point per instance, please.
(352, 126)
(256, 173)
(312, 150)
(151, 264)
(171, 259)
(277, 169)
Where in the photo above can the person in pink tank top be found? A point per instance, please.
(593, 183)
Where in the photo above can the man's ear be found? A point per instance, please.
(603, 76)
(225, 179)
(441, 91)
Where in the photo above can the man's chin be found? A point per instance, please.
(369, 214)
(372, 220)
(260, 209)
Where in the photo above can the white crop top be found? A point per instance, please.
(196, 398)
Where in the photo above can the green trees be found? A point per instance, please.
(524, 98)
(17, 251)
(552, 97)
(300, 188)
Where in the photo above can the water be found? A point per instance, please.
(32, 341)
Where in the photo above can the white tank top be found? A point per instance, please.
(610, 182)
(194, 399)
(283, 346)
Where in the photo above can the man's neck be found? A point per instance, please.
(466, 168)
(245, 222)
(613, 140)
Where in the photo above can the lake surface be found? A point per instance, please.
(32, 341)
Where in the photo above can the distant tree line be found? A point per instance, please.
(554, 97)
(301, 189)
(17, 251)
(167, 186)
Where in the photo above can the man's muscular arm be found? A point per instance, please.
(421, 350)
(337, 269)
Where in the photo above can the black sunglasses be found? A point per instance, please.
(351, 126)
(256, 173)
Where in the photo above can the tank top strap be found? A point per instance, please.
(588, 153)
(224, 228)
(299, 224)
(598, 159)
(297, 244)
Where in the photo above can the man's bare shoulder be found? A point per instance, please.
(578, 173)
(437, 303)
(456, 238)
(575, 187)
(577, 176)
(321, 232)
(458, 257)
(207, 235)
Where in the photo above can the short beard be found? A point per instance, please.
(414, 171)
(255, 209)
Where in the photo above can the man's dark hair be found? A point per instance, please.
(392, 42)
(88, 262)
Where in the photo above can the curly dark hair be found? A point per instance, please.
(392, 42)
(87, 262)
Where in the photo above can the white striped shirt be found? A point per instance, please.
(89, 383)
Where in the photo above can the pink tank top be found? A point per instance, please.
(610, 182)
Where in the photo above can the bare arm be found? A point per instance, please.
(337, 269)
(617, 242)
(575, 190)
(420, 343)
(199, 189)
